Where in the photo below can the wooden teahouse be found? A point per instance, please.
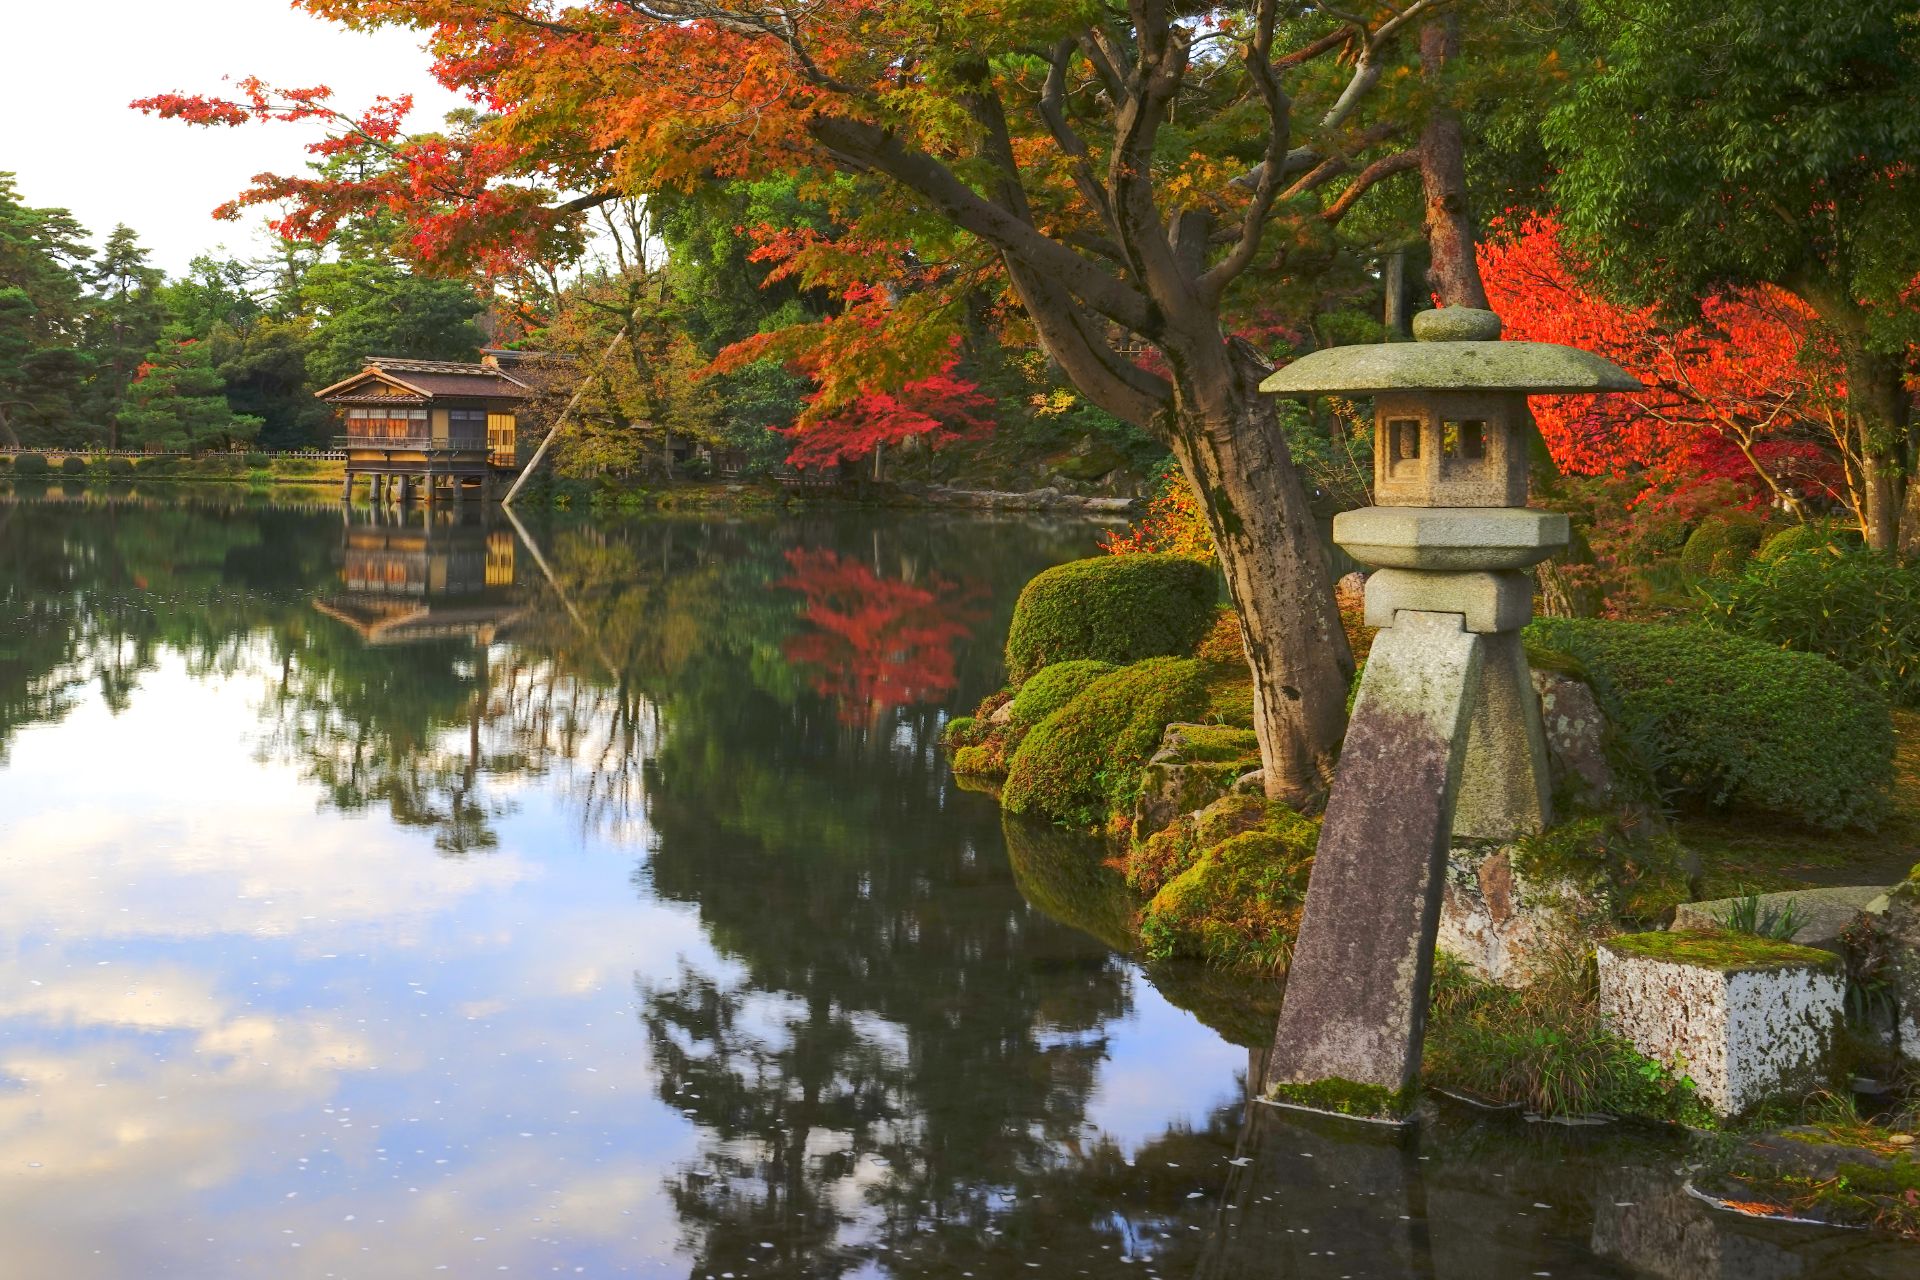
(427, 429)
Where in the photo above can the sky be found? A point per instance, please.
(68, 71)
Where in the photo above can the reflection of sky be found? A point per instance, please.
(243, 1035)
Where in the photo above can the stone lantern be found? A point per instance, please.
(1445, 741)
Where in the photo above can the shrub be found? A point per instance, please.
(30, 464)
(1721, 544)
(1857, 607)
(256, 459)
(1116, 609)
(117, 466)
(73, 465)
(159, 465)
(1238, 905)
(1803, 537)
(1730, 721)
(961, 731)
(1053, 687)
(1084, 760)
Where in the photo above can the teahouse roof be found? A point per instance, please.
(423, 381)
(1456, 349)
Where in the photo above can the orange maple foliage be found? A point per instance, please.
(1751, 391)
(1174, 524)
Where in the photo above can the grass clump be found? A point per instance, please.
(1238, 903)
(1545, 1046)
(1117, 609)
(1053, 687)
(1857, 607)
(1083, 761)
(1730, 952)
(1729, 721)
(1748, 915)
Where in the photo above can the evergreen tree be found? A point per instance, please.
(43, 258)
(178, 400)
(123, 321)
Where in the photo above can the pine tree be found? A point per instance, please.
(178, 400)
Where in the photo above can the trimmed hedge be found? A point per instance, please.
(1857, 607)
(1730, 721)
(1116, 609)
(73, 465)
(1083, 761)
(1721, 544)
(117, 466)
(1052, 688)
(31, 464)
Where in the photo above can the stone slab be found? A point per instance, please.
(1489, 601)
(1743, 1034)
(1826, 912)
(1450, 539)
(1356, 997)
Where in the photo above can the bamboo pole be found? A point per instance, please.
(560, 422)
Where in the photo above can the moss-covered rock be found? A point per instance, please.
(1083, 761)
(1158, 858)
(1727, 721)
(1239, 903)
(1721, 544)
(1727, 952)
(1195, 765)
(1051, 688)
(1117, 609)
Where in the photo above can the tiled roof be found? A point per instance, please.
(432, 378)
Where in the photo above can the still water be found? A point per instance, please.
(391, 900)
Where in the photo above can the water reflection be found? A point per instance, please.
(385, 897)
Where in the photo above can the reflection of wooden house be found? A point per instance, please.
(425, 579)
(429, 428)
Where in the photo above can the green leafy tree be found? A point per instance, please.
(366, 307)
(43, 260)
(1762, 141)
(178, 400)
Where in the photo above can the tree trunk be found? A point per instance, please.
(1454, 272)
(1877, 402)
(1227, 438)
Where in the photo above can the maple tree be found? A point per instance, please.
(1753, 390)
(1763, 143)
(1119, 177)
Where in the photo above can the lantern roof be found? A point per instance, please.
(1454, 349)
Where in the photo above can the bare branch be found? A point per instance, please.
(1279, 128)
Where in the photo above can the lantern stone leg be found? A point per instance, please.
(1356, 998)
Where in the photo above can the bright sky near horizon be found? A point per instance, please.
(67, 75)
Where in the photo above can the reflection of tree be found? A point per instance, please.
(872, 643)
(92, 591)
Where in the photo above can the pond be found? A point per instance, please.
(393, 898)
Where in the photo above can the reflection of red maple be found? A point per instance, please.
(874, 643)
